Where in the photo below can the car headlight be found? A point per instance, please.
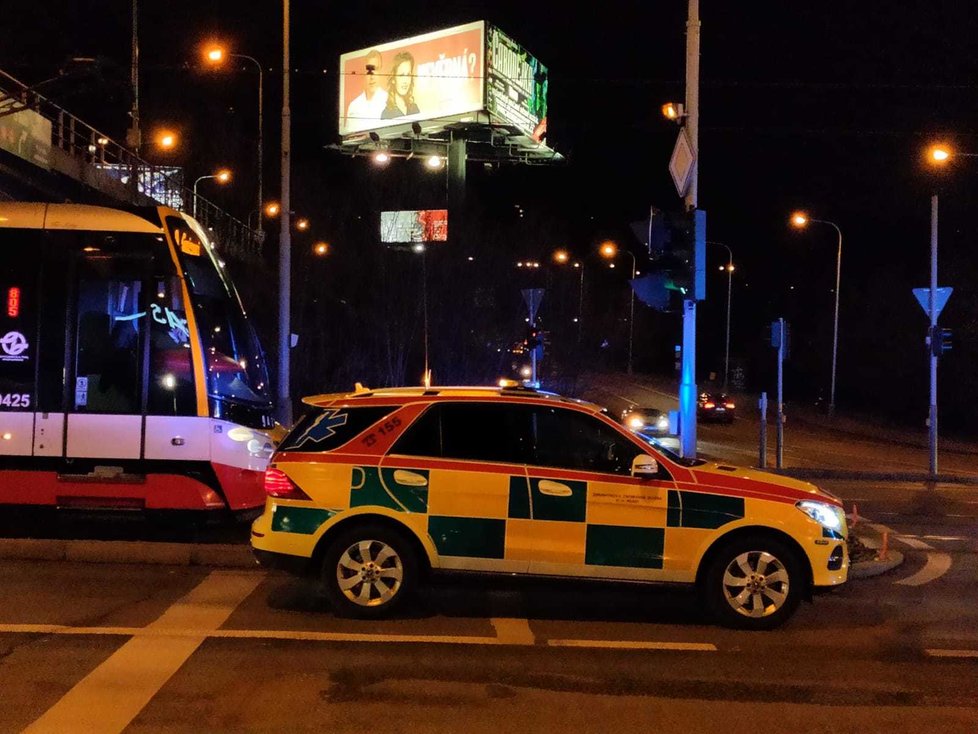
(823, 513)
(635, 422)
(663, 422)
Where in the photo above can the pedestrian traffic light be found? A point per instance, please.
(940, 340)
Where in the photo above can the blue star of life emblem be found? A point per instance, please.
(323, 427)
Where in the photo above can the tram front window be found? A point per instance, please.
(234, 363)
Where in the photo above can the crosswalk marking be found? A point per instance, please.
(111, 696)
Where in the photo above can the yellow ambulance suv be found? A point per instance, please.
(373, 489)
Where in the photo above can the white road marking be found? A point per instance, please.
(112, 695)
(636, 645)
(306, 636)
(952, 653)
(513, 631)
(937, 565)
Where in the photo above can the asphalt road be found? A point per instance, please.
(104, 648)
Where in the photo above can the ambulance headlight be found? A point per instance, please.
(824, 514)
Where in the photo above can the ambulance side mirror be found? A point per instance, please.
(645, 467)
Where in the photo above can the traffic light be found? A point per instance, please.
(533, 338)
(939, 340)
(677, 248)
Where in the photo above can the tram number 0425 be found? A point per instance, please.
(15, 400)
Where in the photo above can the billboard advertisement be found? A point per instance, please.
(426, 77)
(516, 85)
(28, 135)
(426, 225)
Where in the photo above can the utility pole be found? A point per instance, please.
(687, 387)
(932, 313)
(285, 240)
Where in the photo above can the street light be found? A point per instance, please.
(609, 250)
(222, 176)
(801, 220)
(216, 55)
(302, 224)
(729, 267)
(320, 249)
(166, 139)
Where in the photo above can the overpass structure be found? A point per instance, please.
(48, 154)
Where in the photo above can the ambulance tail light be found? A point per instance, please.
(278, 485)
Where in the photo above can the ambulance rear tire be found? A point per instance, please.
(369, 571)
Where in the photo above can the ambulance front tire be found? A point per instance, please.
(369, 571)
(753, 582)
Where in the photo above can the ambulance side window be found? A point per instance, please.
(567, 439)
(469, 431)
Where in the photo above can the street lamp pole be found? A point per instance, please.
(580, 304)
(261, 123)
(835, 328)
(631, 312)
(801, 219)
(195, 192)
(285, 238)
(726, 356)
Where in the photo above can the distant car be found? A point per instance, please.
(716, 407)
(645, 420)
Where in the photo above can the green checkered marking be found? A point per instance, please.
(471, 537)
(301, 520)
(674, 510)
(615, 545)
(371, 486)
(572, 508)
(702, 510)
(519, 498)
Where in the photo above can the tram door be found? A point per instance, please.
(107, 356)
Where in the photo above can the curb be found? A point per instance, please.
(875, 567)
(125, 551)
(813, 473)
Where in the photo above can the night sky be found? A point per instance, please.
(823, 106)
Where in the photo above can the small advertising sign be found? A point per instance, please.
(425, 77)
(27, 135)
(426, 225)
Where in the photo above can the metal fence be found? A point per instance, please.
(144, 180)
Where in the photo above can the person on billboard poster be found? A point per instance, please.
(400, 88)
(370, 103)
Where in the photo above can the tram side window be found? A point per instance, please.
(171, 378)
(107, 367)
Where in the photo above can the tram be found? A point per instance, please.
(130, 375)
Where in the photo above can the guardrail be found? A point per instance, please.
(144, 181)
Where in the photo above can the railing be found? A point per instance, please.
(161, 184)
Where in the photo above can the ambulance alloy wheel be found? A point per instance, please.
(369, 571)
(754, 582)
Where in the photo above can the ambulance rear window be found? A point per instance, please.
(324, 429)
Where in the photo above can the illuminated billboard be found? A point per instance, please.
(468, 73)
(438, 74)
(516, 85)
(426, 225)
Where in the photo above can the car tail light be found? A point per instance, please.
(709, 405)
(729, 406)
(277, 484)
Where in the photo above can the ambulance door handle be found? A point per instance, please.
(554, 489)
(410, 478)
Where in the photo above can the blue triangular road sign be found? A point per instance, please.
(940, 298)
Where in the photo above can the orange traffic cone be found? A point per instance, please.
(855, 515)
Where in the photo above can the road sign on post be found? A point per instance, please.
(681, 163)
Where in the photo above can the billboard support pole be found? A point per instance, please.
(456, 186)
